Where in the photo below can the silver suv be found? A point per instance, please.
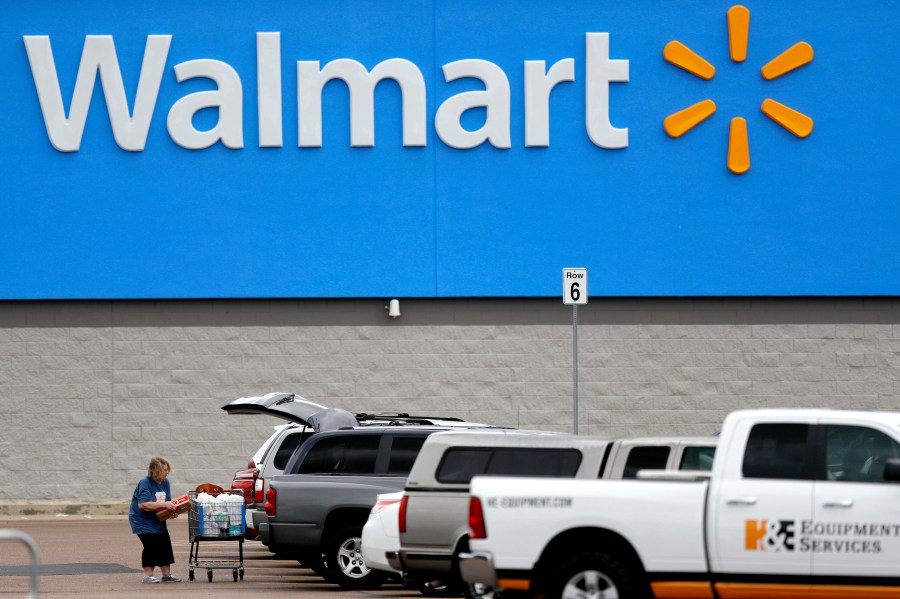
(304, 418)
(434, 509)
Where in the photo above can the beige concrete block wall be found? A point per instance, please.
(90, 390)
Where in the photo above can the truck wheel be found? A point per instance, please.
(593, 574)
(343, 558)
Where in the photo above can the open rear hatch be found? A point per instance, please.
(293, 408)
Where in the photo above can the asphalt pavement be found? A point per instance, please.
(100, 557)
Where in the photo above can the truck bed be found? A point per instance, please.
(658, 516)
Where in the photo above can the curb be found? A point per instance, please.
(63, 509)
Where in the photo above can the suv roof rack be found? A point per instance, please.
(398, 418)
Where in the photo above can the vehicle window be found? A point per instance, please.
(646, 458)
(857, 453)
(534, 462)
(778, 451)
(460, 464)
(697, 458)
(266, 447)
(342, 455)
(288, 445)
(403, 453)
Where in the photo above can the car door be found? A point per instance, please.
(757, 507)
(855, 531)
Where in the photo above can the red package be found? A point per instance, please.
(182, 504)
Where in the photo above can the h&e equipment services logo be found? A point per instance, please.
(811, 536)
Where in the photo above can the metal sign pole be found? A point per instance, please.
(575, 291)
(575, 361)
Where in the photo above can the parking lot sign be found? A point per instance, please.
(575, 286)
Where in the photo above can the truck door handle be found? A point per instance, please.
(837, 503)
(741, 501)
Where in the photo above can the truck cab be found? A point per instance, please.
(807, 494)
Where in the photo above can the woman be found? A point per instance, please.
(153, 492)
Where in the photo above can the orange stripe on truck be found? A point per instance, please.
(681, 590)
(513, 584)
(737, 590)
(798, 591)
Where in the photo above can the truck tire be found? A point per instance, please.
(343, 559)
(593, 574)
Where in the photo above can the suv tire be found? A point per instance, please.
(343, 559)
(317, 565)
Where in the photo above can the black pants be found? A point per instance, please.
(157, 550)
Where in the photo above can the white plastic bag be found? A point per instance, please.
(207, 503)
(234, 503)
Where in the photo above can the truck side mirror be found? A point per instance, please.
(892, 469)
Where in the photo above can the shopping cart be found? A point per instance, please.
(216, 522)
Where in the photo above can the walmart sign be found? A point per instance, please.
(358, 149)
(131, 129)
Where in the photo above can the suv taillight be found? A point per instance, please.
(477, 529)
(383, 504)
(401, 518)
(270, 502)
(258, 490)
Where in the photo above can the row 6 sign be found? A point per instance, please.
(575, 286)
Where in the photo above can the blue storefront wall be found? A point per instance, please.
(661, 216)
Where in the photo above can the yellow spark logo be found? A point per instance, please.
(681, 122)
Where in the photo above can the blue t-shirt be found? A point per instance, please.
(142, 521)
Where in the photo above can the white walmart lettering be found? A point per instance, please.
(130, 128)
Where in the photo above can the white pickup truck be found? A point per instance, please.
(799, 503)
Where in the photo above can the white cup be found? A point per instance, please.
(160, 495)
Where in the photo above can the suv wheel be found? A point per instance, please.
(343, 559)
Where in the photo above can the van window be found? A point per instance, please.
(646, 458)
(778, 450)
(343, 455)
(697, 458)
(460, 464)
